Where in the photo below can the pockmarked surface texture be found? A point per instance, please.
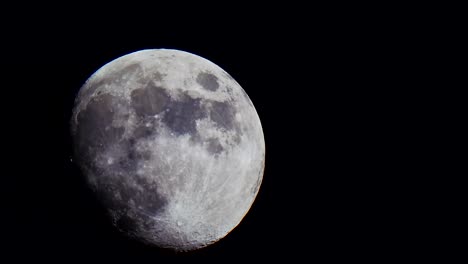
(172, 146)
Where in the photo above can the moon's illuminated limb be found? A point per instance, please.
(172, 145)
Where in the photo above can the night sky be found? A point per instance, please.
(315, 80)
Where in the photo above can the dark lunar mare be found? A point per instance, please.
(149, 101)
(214, 146)
(117, 184)
(208, 81)
(222, 113)
(180, 114)
(94, 130)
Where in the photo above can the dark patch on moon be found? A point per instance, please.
(149, 101)
(223, 113)
(143, 131)
(208, 81)
(214, 146)
(94, 127)
(129, 161)
(129, 69)
(95, 136)
(120, 193)
(148, 197)
(181, 115)
(145, 128)
(127, 224)
(237, 137)
(131, 155)
(157, 76)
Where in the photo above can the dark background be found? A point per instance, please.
(323, 81)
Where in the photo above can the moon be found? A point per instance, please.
(172, 146)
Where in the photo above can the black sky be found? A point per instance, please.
(319, 86)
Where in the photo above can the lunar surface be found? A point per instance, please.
(172, 146)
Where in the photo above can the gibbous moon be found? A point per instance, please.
(172, 146)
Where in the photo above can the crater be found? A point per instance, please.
(208, 81)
